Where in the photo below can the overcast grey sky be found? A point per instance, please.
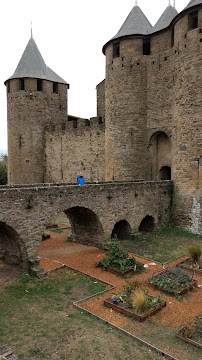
(70, 35)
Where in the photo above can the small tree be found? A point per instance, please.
(3, 169)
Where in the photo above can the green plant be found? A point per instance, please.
(138, 300)
(172, 280)
(195, 253)
(119, 259)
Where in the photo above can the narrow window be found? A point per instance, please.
(55, 87)
(172, 37)
(22, 84)
(8, 87)
(146, 47)
(116, 49)
(193, 20)
(20, 142)
(39, 85)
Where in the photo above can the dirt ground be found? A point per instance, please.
(56, 252)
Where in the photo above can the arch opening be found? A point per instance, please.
(147, 225)
(165, 173)
(86, 227)
(121, 230)
(11, 248)
(160, 156)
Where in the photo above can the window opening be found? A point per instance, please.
(146, 47)
(22, 84)
(39, 85)
(172, 37)
(55, 87)
(116, 49)
(8, 87)
(193, 20)
(20, 142)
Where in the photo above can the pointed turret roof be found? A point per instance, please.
(193, 3)
(135, 23)
(32, 65)
(165, 19)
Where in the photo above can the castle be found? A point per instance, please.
(148, 124)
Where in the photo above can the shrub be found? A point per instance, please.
(195, 253)
(119, 259)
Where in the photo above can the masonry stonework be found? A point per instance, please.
(29, 209)
(148, 128)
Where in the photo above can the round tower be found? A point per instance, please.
(36, 96)
(125, 94)
(187, 126)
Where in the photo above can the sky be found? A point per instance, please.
(70, 35)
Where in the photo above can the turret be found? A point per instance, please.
(125, 98)
(36, 96)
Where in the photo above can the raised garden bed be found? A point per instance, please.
(123, 308)
(117, 272)
(173, 281)
(192, 332)
(118, 261)
(188, 265)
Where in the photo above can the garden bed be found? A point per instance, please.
(117, 272)
(173, 281)
(123, 308)
(188, 266)
(192, 332)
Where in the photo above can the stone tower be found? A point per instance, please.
(187, 117)
(36, 96)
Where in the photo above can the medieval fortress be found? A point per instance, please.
(148, 125)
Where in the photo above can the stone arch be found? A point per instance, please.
(121, 230)
(86, 226)
(147, 224)
(12, 250)
(160, 153)
(165, 173)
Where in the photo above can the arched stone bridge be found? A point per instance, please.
(93, 211)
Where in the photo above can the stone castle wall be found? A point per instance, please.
(74, 150)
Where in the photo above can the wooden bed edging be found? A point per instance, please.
(192, 342)
(117, 272)
(130, 313)
(154, 348)
(190, 270)
(182, 292)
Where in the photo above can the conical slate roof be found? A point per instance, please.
(32, 65)
(135, 23)
(165, 19)
(193, 3)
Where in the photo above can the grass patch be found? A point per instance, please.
(163, 245)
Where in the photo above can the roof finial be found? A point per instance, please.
(136, 4)
(174, 3)
(31, 29)
(168, 2)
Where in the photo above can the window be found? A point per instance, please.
(55, 87)
(172, 37)
(22, 84)
(116, 49)
(20, 142)
(39, 85)
(146, 47)
(8, 86)
(193, 20)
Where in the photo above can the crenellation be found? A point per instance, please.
(148, 123)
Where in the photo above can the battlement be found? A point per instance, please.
(74, 123)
